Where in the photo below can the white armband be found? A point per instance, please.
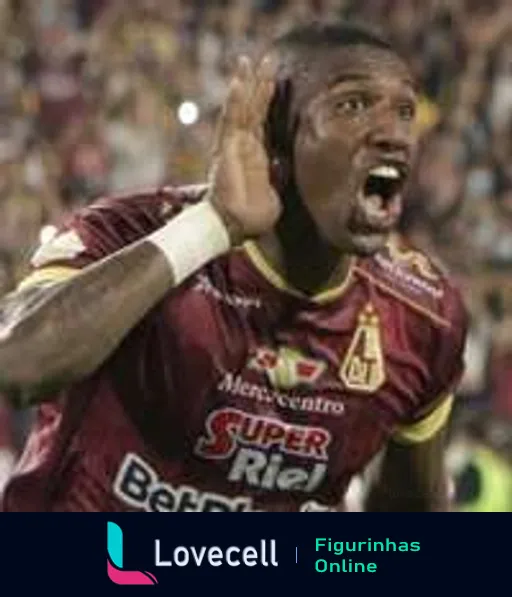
(192, 239)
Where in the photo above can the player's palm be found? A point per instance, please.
(240, 185)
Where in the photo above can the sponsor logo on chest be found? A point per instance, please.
(259, 449)
(138, 485)
(286, 367)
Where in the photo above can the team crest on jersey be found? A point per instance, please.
(287, 367)
(363, 368)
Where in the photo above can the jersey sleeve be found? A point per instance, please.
(446, 370)
(104, 227)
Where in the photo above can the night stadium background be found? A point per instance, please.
(100, 96)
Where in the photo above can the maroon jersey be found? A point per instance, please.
(236, 392)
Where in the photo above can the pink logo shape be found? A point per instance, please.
(115, 561)
(129, 577)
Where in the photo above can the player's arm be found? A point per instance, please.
(53, 334)
(411, 477)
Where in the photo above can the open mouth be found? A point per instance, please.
(381, 192)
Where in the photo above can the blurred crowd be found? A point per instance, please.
(101, 96)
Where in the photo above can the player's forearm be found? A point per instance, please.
(51, 335)
(410, 479)
(56, 335)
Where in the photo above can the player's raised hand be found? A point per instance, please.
(240, 185)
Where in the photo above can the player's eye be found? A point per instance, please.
(407, 111)
(352, 105)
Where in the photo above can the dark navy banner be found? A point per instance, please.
(269, 554)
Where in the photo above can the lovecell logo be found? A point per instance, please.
(115, 570)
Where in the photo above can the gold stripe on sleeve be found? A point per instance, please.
(48, 274)
(427, 427)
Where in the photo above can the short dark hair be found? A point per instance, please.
(331, 35)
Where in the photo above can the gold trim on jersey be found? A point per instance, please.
(48, 274)
(414, 259)
(363, 368)
(428, 426)
(275, 278)
(398, 295)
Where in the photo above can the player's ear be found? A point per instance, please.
(278, 137)
(279, 174)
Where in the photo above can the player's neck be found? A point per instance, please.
(306, 263)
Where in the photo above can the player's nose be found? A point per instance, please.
(391, 140)
(389, 135)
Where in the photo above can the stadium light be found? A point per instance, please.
(188, 113)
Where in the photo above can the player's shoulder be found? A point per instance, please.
(158, 203)
(417, 280)
(119, 219)
(111, 222)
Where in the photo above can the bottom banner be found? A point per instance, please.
(269, 553)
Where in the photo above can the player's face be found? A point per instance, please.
(354, 147)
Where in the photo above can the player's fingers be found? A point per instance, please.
(244, 79)
(229, 117)
(244, 69)
(264, 89)
(235, 110)
(246, 76)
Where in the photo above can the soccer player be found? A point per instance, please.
(250, 344)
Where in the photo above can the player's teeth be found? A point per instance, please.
(385, 172)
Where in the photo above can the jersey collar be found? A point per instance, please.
(259, 261)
